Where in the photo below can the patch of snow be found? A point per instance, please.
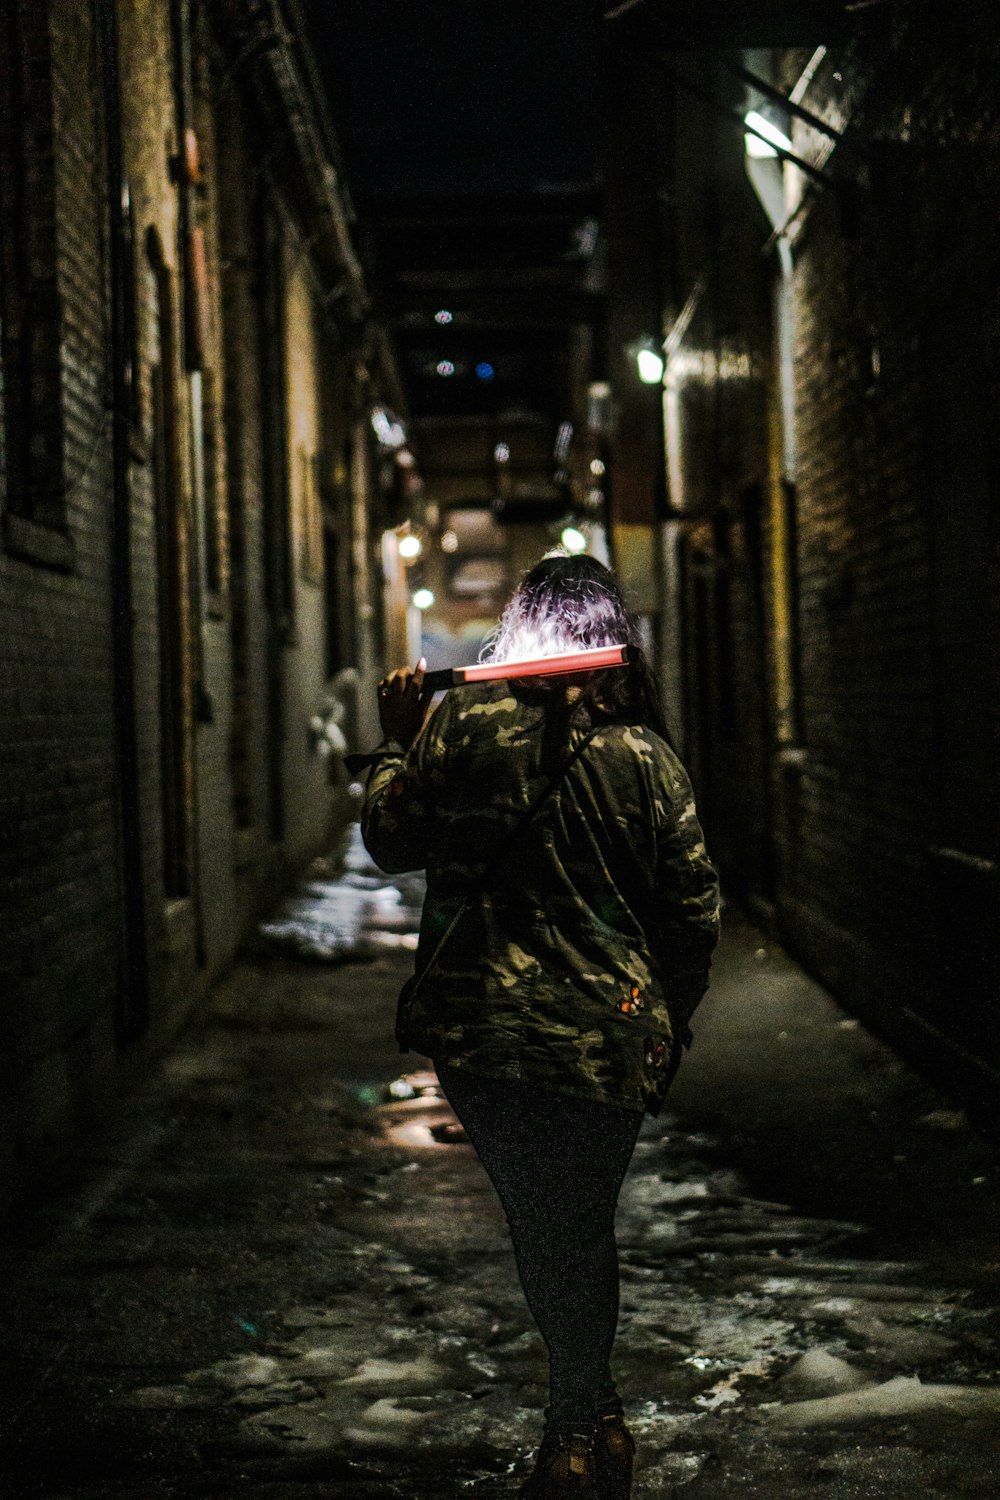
(819, 1373)
(236, 1374)
(945, 1119)
(725, 1392)
(415, 1374)
(903, 1396)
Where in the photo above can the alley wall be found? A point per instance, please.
(830, 401)
(188, 571)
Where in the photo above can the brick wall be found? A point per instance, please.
(896, 379)
(211, 649)
(879, 864)
(58, 837)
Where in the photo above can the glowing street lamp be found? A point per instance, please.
(573, 540)
(650, 366)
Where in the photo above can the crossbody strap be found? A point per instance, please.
(500, 856)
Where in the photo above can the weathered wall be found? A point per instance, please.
(58, 843)
(841, 594)
(227, 665)
(897, 367)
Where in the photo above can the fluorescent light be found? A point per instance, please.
(760, 148)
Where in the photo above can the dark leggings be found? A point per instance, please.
(557, 1163)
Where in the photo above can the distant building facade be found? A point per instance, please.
(190, 507)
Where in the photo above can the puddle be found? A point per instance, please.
(358, 913)
(427, 1134)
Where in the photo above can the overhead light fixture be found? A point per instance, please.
(423, 598)
(649, 363)
(445, 367)
(597, 467)
(573, 540)
(443, 316)
(410, 546)
(501, 453)
(773, 137)
(390, 433)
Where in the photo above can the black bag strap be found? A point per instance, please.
(500, 856)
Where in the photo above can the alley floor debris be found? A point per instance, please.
(285, 1274)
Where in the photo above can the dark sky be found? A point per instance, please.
(452, 96)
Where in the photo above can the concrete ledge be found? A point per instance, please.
(867, 980)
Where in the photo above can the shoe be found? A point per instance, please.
(614, 1451)
(565, 1469)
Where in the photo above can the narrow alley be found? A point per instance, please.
(285, 1274)
(642, 354)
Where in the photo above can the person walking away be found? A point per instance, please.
(565, 941)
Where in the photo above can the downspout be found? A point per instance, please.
(786, 357)
(191, 360)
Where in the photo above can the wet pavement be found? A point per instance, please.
(283, 1273)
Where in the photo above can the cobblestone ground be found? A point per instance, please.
(285, 1275)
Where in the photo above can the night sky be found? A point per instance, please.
(448, 97)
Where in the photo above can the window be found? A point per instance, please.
(34, 519)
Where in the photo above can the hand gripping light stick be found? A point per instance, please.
(593, 658)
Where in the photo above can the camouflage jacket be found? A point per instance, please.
(578, 965)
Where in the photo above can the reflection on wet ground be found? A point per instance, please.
(288, 1275)
(756, 1344)
(347, 908)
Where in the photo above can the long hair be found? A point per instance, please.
(567, 603)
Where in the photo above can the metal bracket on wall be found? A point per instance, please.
(777, 96)
(816, 173)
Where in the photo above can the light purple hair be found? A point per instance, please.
(564, 603)
(568, 603)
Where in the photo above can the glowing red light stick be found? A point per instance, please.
(588, 660)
